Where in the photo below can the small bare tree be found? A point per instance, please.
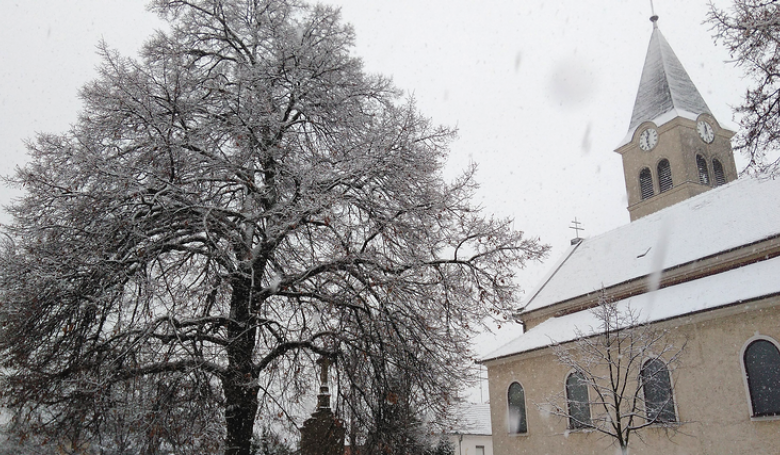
(621, 380)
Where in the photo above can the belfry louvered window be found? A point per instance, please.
(664, 176)
(704, 173)
(720, 176)
(646, 183)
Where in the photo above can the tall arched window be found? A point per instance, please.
(762, 367)
(646, 183)
(578, 401)
(516, 409)
(664, 176)
(704, 173)
(720, 176)
(657, 391)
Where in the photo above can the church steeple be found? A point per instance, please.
(665, 87)
(675, 148)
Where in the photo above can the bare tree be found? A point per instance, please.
(239, 200)
(751, 33)
(621, 378)
(384, 417)
(391, 410)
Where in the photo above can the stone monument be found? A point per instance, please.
(323, 433)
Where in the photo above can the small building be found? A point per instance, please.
(471, 435)
(700, 260)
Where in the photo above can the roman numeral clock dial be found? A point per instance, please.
(648, 139)
(705, 131)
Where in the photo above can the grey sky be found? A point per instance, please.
(541, 91)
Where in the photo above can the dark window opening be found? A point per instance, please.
(646, 184)
(657, 391)
(664, 176)
(578, 401)
(720, 176)
(762, 365)
(517, 417)
(704, 173)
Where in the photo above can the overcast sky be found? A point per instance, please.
(541, 92)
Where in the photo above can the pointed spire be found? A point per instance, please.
(665, 86)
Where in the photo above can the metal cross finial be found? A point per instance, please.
(654, 17)
(576, 226)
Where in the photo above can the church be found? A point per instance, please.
(699, 262)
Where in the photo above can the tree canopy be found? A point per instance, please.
(750, 30)
(237, 201)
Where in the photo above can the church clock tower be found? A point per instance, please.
(675, 148)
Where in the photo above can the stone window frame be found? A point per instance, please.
(719, 174)
(508, 407)
(665, 178)
(742, 352)
(569, 425)
(646, 189)
(676, 413)
(702, 170)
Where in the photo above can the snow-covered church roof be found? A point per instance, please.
(665, 89)
(734, 286)
(739, 214)
(742, 212)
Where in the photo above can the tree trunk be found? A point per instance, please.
(240, 409)
(240, 384)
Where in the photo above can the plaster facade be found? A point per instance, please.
(710, 392)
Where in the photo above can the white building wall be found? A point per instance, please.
(467, 444)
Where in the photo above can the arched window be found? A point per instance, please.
(657, 391)
(646, 183)
(664, 176)
(720, 176)
(704, 173)
(516, 409)
(578, 401)
(762, 367)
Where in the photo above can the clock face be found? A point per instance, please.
(706, 132)
(648, 139)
